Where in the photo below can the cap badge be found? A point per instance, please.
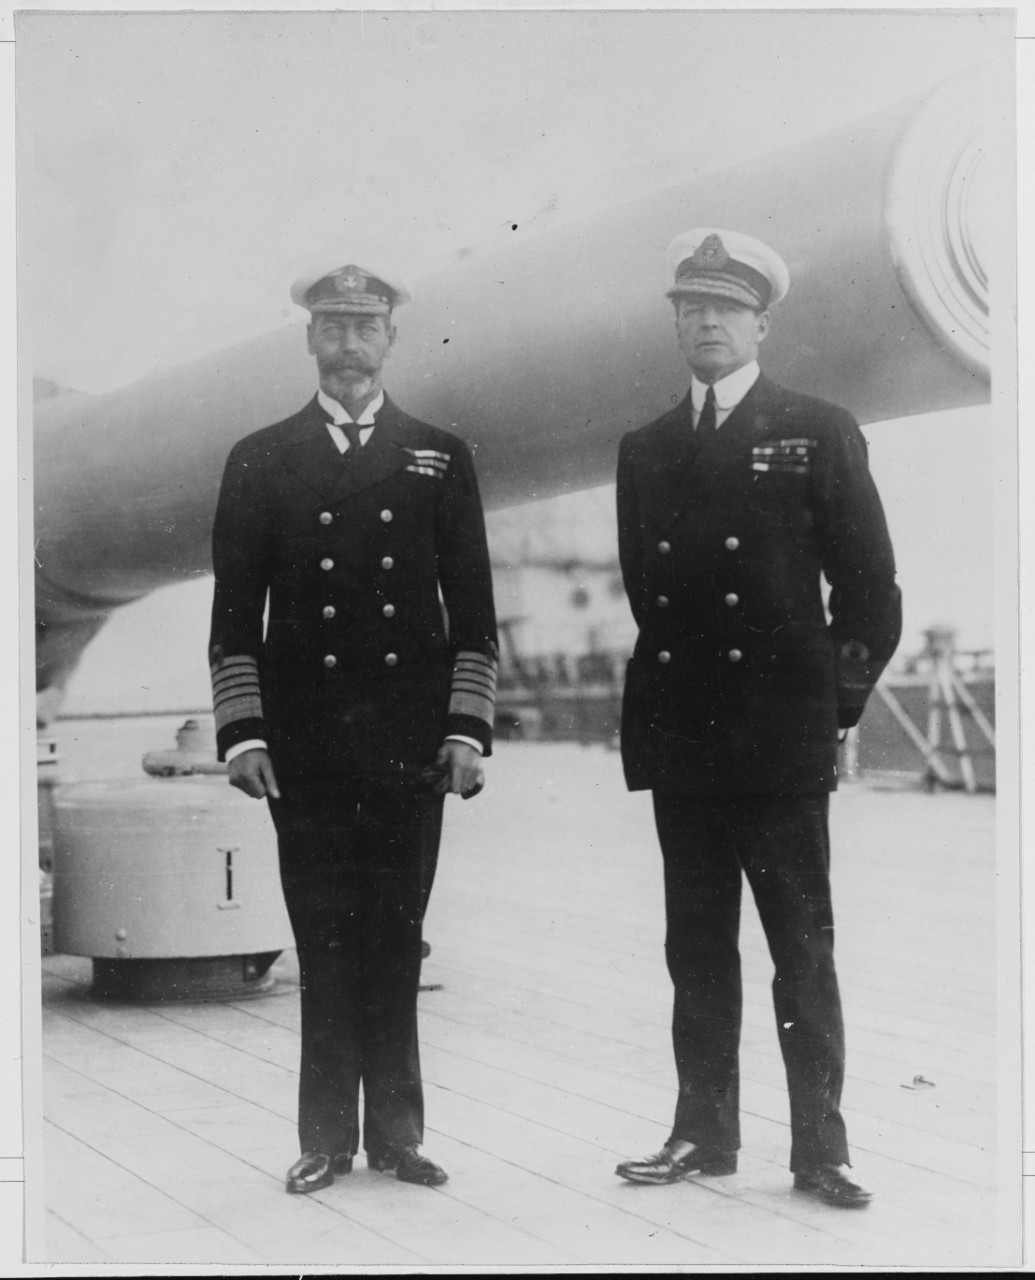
(710, 254)
(349, 282)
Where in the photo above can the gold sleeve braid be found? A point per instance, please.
(235, 690)
(474, 686)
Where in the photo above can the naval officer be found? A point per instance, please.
(732, 508)
(367, 696)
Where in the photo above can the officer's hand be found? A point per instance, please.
(463, 769)
(252, 773)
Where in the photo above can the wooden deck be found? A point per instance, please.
(546, 1059)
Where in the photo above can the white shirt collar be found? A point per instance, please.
(340, 415)
(729, 391)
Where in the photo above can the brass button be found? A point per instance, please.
(735, 655)
(662, 602)
(386, 516)
(329, 611)
(732, 599)
(327, 563)
(325, 517)
(387, 562)
(391, 659)
(330, 660)
(732, 544)
(389, 610)
(664, 656)
(664, 547)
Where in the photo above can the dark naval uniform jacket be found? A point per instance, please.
(739, 680)
(381, 635)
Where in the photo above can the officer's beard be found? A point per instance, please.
(348, 378)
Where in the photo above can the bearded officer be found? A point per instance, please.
(368, 697)
(731, 508)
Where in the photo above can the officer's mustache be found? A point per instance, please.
(347, 364)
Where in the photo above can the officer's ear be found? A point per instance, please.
(391, 333)
(309, 338)
(763, 325)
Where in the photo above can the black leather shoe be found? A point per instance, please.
(673, 1162)
(314, 1170)
(831, 1184)
(409, 1166)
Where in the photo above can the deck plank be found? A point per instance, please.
(90, 1192)
(216, 1188)
(64, 1242)
(199, 1245)
(477, 998)
(149, 1046)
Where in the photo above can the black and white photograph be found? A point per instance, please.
(519, 516)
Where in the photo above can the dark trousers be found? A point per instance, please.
(356, 865)
(782, 845)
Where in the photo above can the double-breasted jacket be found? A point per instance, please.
(742, 674)
(380, 638)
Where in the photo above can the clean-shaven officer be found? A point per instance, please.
(732, 508)
(365, 698)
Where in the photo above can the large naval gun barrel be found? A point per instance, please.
(544, 352)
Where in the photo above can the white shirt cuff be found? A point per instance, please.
(252, 743)
(240, 747)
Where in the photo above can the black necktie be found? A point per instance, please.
(351, 430)
(706, 422)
